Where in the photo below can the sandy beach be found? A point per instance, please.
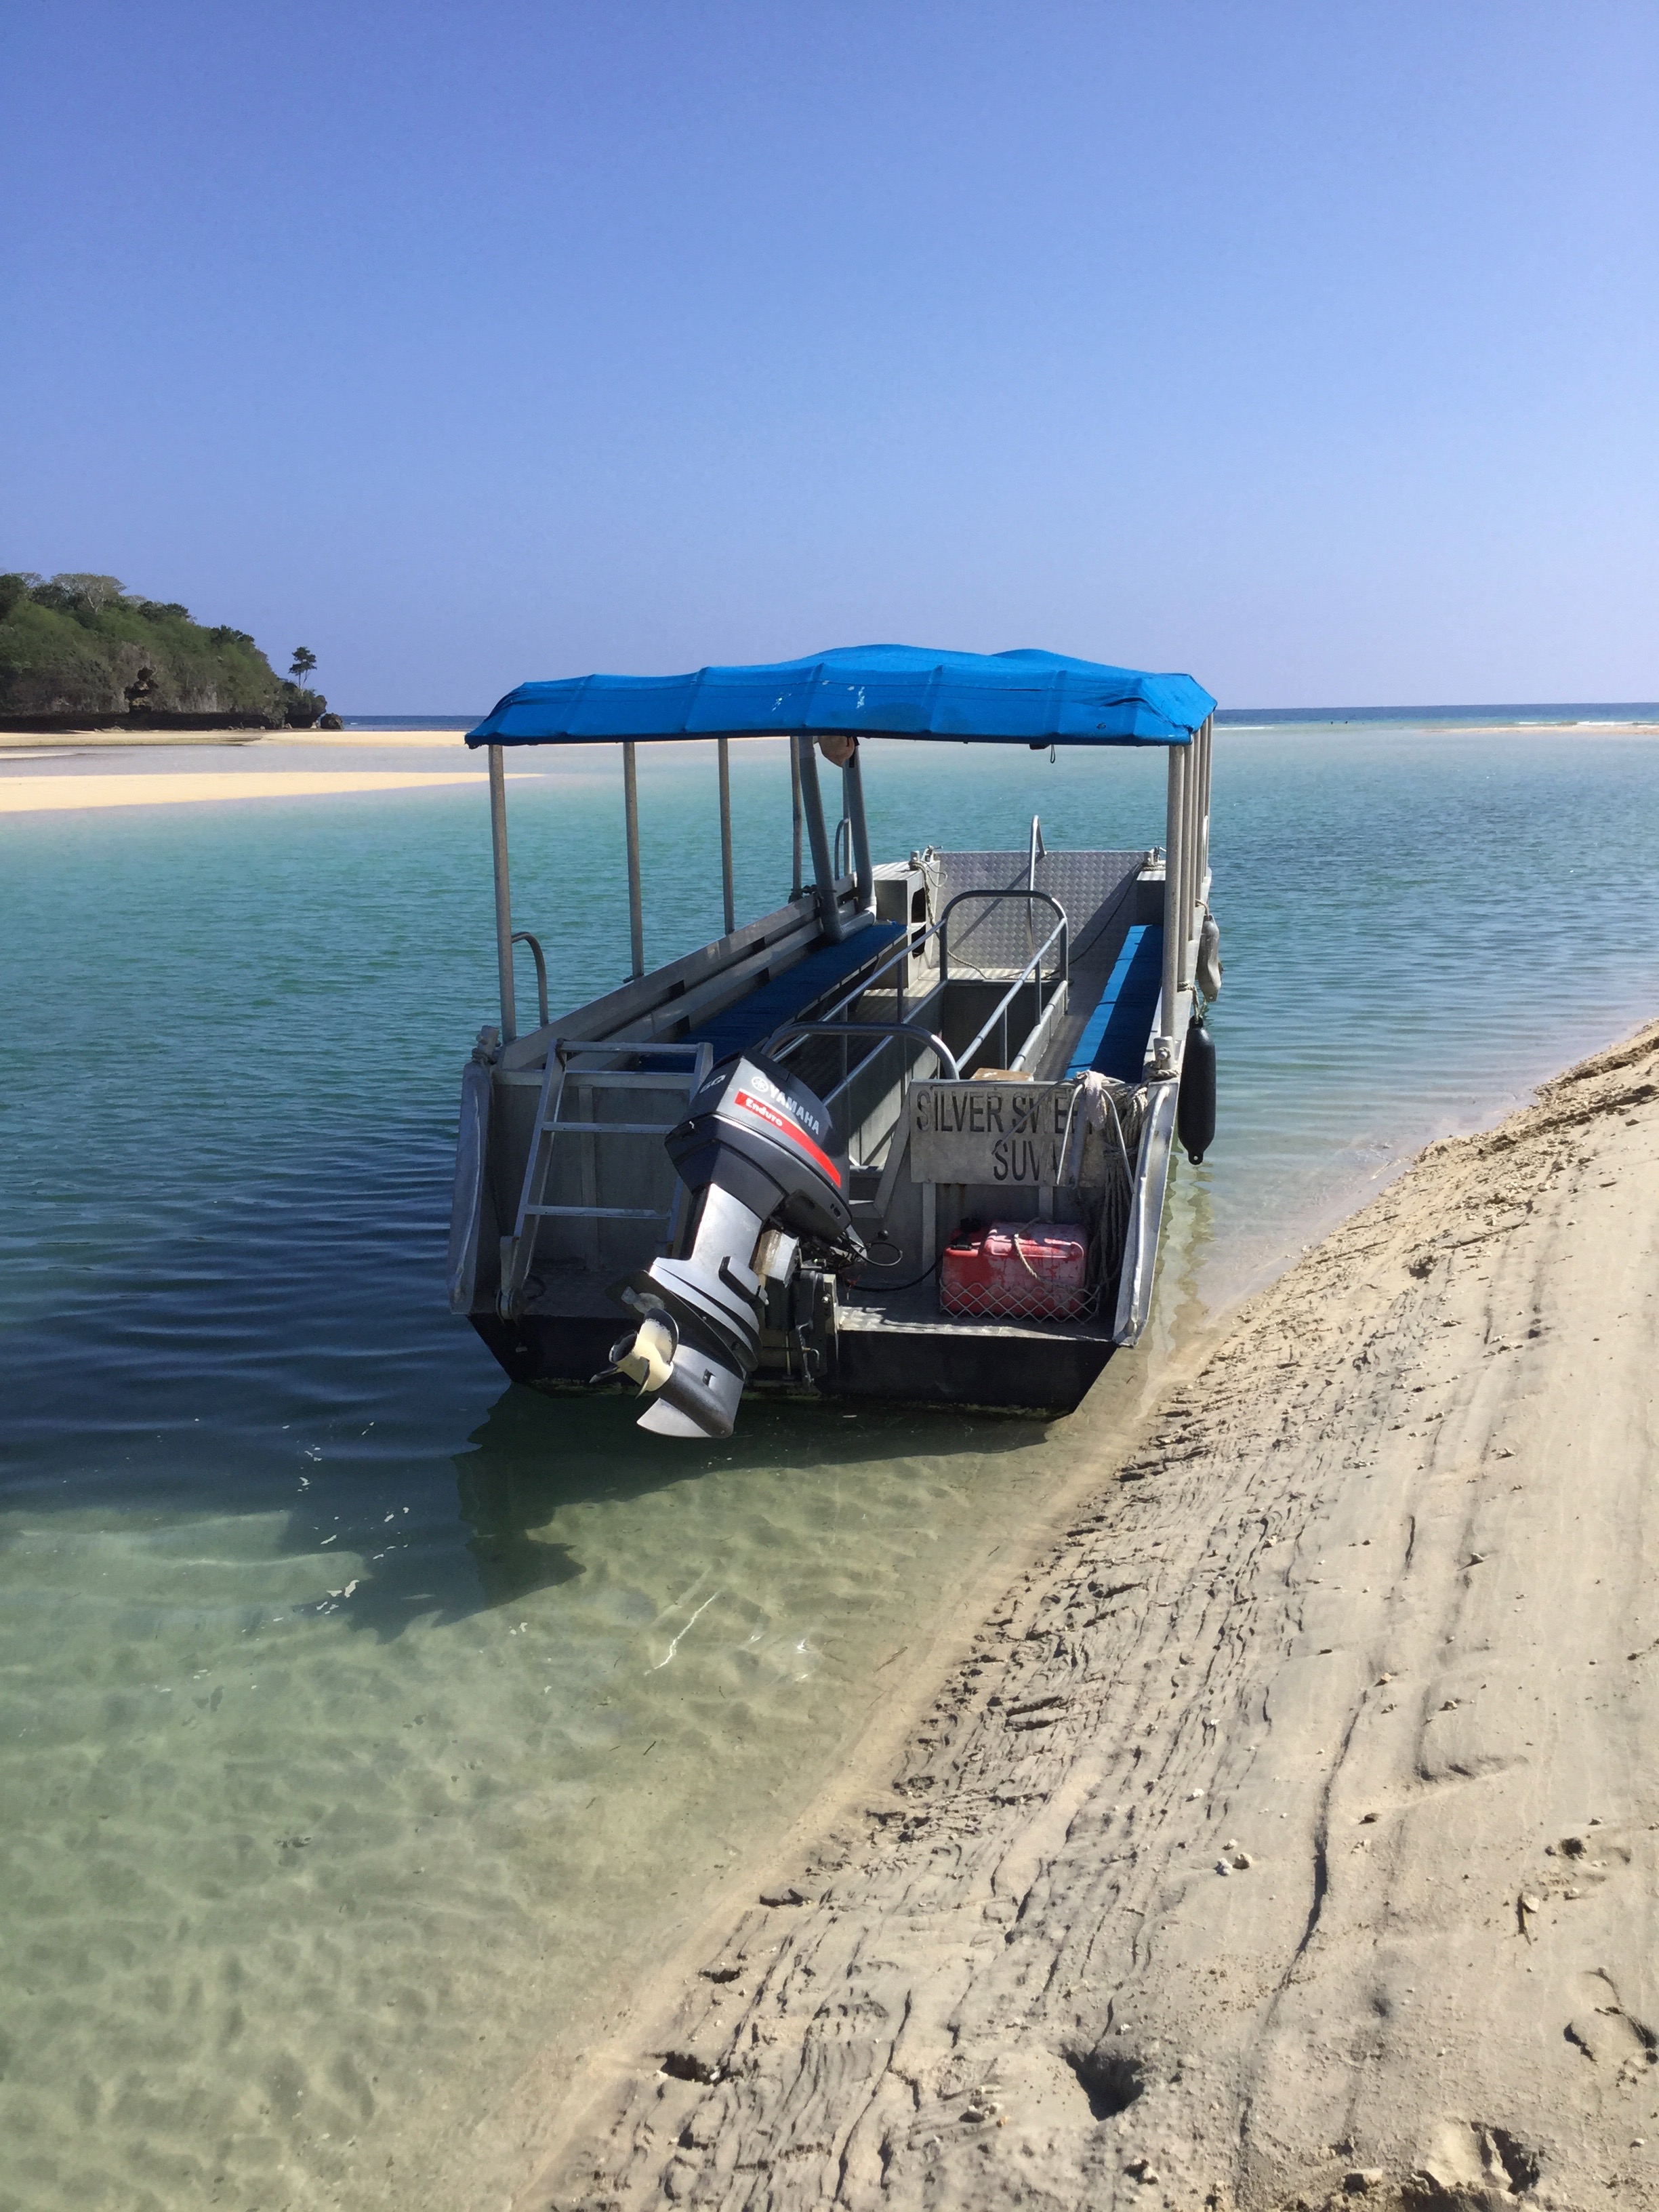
(1283, 1833)
(35, 744)
(70, 771)
(53, 794)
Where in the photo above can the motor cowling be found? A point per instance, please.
(754, 1150)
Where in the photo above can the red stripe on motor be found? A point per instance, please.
(786, 1127)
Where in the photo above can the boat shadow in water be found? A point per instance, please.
(534, 1457)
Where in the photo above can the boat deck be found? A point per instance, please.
(570, 1315)
(892, 1343)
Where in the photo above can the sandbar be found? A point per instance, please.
(52, 794)
(1543, 729)
(1285, 1833)
(129, 741)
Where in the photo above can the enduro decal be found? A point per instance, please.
(787, 1126)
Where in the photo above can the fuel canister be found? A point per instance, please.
(1016, 1270)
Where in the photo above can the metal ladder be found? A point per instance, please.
(519, 1249)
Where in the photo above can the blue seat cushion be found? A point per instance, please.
(786, 998)
(1114, 1039)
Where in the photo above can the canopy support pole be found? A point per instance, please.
(631, 812)
(1163, 1045)
(504, 895)
(851, 786)
(823, 867)
(723, 747)
(795, 885)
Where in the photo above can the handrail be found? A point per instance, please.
(525, 937)
(1032, 972)
(910, 948)
(1032, 969)
(951, 1062)
(889, 1029)
(1061, 931)
(906, 950)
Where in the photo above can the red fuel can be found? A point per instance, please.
(1016, 1270)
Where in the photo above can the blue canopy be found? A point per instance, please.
(1026, 698)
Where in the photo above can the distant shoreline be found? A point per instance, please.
(1648, 726)
(1506, 715)
(359, 758)
(1635, 719)
(1481, 718)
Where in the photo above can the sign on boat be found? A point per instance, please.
(906, 1137)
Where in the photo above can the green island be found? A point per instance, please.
(77, 646)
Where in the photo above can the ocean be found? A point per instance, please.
(370, 1724)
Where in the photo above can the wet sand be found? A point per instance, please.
(1286, 1833)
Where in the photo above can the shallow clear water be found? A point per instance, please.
(367, 1722)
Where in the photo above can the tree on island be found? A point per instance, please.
(304, 706)
(81, 644)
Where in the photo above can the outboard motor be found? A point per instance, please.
(753, 1151)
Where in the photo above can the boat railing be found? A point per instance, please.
(1039, 852)
(912, 948)
(528, 937)
(893, 1032)
(893, 1092)
(832, 1021)
(1034, 960)
(1031, 973)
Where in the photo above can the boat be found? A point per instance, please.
(906, 1138)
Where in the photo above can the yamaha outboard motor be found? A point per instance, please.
(752, 1149)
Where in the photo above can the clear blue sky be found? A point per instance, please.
(1314, 349)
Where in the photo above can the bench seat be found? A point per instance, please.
(1114, 1039)
(791, 997)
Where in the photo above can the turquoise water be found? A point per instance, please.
(369, 1723)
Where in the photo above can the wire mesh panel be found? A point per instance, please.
(1019, 1271)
